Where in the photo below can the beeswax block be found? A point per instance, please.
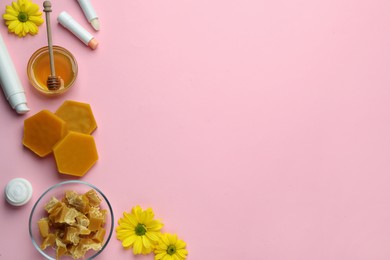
(42, 131)
(75, 154)
(78, 116)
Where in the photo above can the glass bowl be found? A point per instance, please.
(38, 69)
(61, 229)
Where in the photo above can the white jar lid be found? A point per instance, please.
(18, 191)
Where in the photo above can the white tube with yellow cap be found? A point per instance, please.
(10, 82)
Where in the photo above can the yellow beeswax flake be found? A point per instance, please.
(51, 204)
(96, 218)
(64, 215)
(43, 225)
(61, 248)
(78, 116)
(72, 235)
(93, 198)
(99, 235)
(48, 241)
(78, 201)
(70, 231)
(82, 220)
(84, 245)
(83, 230)
(42, 131)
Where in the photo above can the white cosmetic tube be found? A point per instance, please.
(69, 23)
(90, 13)
(10, 82)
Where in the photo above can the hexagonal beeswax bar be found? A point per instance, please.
(75, 154)
(42, 131)
(78, 116)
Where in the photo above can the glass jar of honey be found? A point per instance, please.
(38, 69)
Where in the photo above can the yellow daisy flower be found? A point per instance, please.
(169, 247)
(23, 17)
(139, 230)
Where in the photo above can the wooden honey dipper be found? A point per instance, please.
(53, 82)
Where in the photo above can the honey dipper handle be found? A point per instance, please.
(47, 10)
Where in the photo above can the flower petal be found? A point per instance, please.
(11, 11)
(25, 28)
(137, 248)
(164, 239)
(32, 9)
(136, 211)
(182, 252)
(154, 236)
(159, 256)
(36, 19)
(130, 218)
(172, 239)
(24, 7)
(123, 234)
(9, 17)
(15, 6)
(127, 242)
(19, 29)
(142, 217)
(146, 251)
(180, 244)
(124, 224)
(146, 242)
(159, 251)
(12, 25)
(149, 215)
(155, 225)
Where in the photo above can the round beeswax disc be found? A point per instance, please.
(18, 191)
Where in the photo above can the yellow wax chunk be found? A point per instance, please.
(43, 225)
(75, 154)
(78, 116)
(42, 131)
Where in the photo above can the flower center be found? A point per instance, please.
(171, 249)
(23, 17)
(140, 229)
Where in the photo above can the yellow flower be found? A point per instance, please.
(23, 17)
(139, 230)
(169, 247)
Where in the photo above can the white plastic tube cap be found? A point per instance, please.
(18, 192)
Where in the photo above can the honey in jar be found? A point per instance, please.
(38, 69)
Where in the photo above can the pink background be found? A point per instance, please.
(255, 129)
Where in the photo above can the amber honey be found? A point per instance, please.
(38, 69)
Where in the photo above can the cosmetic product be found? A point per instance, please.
(68, 22)
(10, 81)
(90, 13)
(18, 191)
